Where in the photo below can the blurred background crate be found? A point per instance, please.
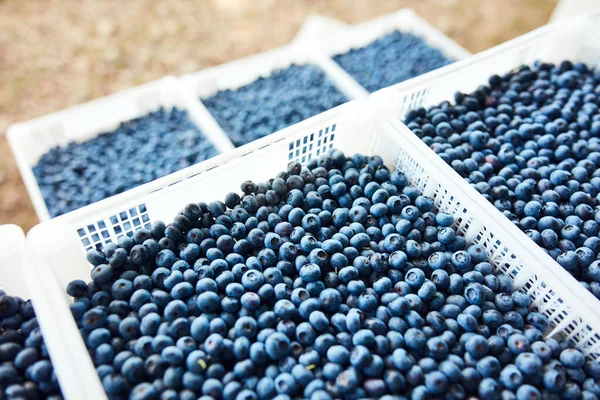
(30, 140)
(570, 8)
(371, 51)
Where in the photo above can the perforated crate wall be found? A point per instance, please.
(422, 92)
(413, 100)
(313, 145)
(544, 300)
(99, 233)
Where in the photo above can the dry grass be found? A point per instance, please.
(55, 54)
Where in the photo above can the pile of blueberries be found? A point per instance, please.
(78, 174)
(391, 59)
(529, 142)
(334, 280)
(25, 368)
(270, 104)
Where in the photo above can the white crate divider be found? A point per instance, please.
(30, 140)
(353, 127)
(12, 260)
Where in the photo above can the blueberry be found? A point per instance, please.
(310, 272)
(528, 392)
(277, 346)
(415, 277)
(477, 346)
(436, 382)
(95, 257)
(572, 358)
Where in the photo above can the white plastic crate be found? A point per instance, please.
(576, 39)
(364, 33)
(59, 250)
(570, 8)
(20, 277)
(242, 72)
(317, 25)
(12, 261)
(30, 140)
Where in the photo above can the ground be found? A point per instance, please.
(55, 54)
